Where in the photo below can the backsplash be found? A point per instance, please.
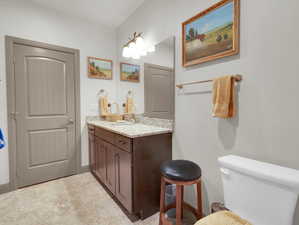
(91, 118)
(140, 118)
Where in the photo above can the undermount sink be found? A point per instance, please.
(122, 122)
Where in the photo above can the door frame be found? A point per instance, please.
(11, 100)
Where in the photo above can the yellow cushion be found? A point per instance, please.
(223, 218)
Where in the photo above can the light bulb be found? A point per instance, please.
(133, 49)
(135, 54)
(132, 45)
(126, 52)
(140, 44)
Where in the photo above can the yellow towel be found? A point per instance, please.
(223, 218)
(129, 105)
(224, 97)
(104, 106)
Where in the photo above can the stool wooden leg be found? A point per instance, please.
(179, 204)
(162, 200)
(182, 210)
(199, 200)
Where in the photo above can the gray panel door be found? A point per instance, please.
(45, 114)
(159, 91)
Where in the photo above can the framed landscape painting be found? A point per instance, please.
(212, 34)
(100, 68)
(129, 72)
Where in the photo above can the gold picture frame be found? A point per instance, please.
(129, 72)
(100, 68)
(211, 34)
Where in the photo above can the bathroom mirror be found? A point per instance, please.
(154, 93)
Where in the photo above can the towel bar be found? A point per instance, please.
(237, 78)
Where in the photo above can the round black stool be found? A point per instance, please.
(180, 173)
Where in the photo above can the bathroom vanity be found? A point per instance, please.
(126, 160)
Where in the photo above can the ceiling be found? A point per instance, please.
(110, 13)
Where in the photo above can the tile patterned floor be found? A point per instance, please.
(75, 200)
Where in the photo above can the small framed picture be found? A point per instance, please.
(129, 72)
(100, 68)
(211, 34)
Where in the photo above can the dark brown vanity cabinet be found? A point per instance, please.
(129, 168)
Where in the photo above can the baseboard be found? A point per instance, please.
(84, 169)
(4, 188)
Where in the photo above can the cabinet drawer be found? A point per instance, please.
(123, 143)
(90, 129)
(105, 135)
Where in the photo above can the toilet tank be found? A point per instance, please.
(262, 193)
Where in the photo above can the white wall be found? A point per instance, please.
(267, 125)
(24, 20)
(163, 55)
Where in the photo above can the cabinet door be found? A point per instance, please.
(123, 167)
(96, 153)
(110, 165)
(101, 160)
(96, 156)
(91, 147)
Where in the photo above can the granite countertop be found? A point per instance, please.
(132, 130)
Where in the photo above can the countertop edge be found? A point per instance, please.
(169, 131)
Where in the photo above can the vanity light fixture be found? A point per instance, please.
(137, 47)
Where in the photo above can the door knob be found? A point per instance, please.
(70, 121)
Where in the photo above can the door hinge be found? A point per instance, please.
(13, 115)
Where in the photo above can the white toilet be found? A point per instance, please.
(262, 193)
